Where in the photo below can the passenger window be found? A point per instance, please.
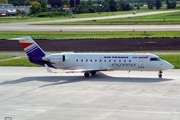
(81, 60)
(86, 60)
(109, 60)
(114, 60)
(91, 60)
(129, 60)
(119, 60)
(76, 60)
(124, 60)
(104, 60)
(100, 60)
(95, 60)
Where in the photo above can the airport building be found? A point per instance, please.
(11, 10)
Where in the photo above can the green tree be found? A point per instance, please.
(89, 3)
(105, 5)
(64, 2)
(43, 5)
(167, 1)
(174, 4)
(92, 10)
(171, 5)
(85, 6)
(122, 5)
(138, 7)
(158, 4)
(4, 1)
(14, 2)
(112, 5)
(150, 5)
(35, 7)
(27, 2)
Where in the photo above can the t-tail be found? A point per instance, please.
(33, 50)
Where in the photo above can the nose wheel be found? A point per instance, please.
(160, 74)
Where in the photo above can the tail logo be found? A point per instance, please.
(25, 45)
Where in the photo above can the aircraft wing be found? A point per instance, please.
(84, 70)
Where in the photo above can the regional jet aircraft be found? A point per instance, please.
(91, 63)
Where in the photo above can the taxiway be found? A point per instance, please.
(30, 93)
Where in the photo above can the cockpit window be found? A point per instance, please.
(155, 59)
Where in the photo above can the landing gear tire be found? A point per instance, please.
(86, 74)
(160, 74)
(93, 72)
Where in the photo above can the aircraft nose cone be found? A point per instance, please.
(170, 66)
(167, 65)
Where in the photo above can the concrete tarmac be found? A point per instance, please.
(30, 93)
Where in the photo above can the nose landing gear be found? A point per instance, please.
(160, 74)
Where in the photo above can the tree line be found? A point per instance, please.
(89, 6)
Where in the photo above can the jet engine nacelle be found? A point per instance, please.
(57, 58)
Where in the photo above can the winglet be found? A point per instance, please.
(48, 69)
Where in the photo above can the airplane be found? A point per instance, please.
(91, 63)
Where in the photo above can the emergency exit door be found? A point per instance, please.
(141, 63)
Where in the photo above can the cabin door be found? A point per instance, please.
(141, 63)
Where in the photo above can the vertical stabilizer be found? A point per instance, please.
(31, 48)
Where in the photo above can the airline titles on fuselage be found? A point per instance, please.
(122, 64)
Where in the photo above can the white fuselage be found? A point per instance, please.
(109, 61)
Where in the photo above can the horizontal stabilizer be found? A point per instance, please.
(15, 39)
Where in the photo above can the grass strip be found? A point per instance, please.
(26, 19)
(173, 59)
(5, 56)
(24, 62)
(84, 15)
(101, 14)
(160, 19)
(91, 35)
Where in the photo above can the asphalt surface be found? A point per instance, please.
(33, 94)
(27, 26)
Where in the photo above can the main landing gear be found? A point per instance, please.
(86, 74)
(160, 74)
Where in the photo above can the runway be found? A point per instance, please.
(62, 28)
(30, 26)
(30, 93)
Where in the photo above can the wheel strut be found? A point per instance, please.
(160, 74)
(93, 72)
